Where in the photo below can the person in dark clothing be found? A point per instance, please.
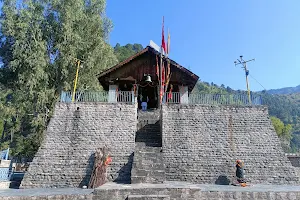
(240, 171)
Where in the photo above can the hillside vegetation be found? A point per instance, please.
(287, 90)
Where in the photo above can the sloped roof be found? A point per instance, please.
(152, 50)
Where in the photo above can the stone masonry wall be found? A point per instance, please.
(65, 158)
(201, 144)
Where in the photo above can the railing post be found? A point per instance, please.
(132, 97)
(184, 94)
(62, 94)
(112, 93)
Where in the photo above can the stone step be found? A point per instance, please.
(148, 144)
(149, 126)
(148, 136)
(145, 133)
(144, 160)
(148, 197)
(137, 166)
(147, 159)
(146, 179)
(141, 146)
(150, 173)
(138, 179)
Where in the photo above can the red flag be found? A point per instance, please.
(163, 44)
(168, 43)
(170, 93)
(157, 67)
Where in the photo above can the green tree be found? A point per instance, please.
(39, 43)
(124, 52)
(80, 31)
(284, 132)
(26, 63)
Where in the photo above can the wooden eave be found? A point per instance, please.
(102, 76)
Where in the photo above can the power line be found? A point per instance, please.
(257, 82)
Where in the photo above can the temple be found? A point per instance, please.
(139, 73)
(194, 138)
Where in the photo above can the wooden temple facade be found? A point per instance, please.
(139, 74)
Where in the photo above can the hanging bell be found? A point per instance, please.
(148, 79)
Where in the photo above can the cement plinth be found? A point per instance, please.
(165, 191)
(4, 184)
(47, 193)
(183, 190)
(4, 163)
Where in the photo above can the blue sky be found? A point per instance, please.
(208, 36)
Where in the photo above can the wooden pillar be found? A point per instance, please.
(184, 94)
(112, 93)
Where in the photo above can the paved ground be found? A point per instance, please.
(204, 187)
(44, 192)
(107, 186)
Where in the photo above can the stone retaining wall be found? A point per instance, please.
(202, 142)
(50, 197)
(65, 158)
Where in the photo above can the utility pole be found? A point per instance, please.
(242, 62)
(76, 78)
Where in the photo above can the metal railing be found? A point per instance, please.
(125, 96)
(84, 97)
(169, 98)
(212, 99)
(172, 97)
(103, 96)
(224, 99)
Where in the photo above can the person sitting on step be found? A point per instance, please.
(240, 172)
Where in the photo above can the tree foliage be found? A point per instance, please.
(124, 52)
(284, 132)
(40, 42)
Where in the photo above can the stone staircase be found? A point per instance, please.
(148, 164)
(148, 197)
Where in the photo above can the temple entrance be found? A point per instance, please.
(148, 93)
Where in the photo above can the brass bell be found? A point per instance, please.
(148, 79)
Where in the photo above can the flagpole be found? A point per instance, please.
(160, 78)
(162, 46)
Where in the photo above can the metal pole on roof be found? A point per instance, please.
(241, 61)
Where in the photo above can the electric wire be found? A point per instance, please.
(257, 82)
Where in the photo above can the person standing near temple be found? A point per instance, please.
(145, 100)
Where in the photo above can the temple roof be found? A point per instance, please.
(103, 76)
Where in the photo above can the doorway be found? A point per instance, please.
(152, 94)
